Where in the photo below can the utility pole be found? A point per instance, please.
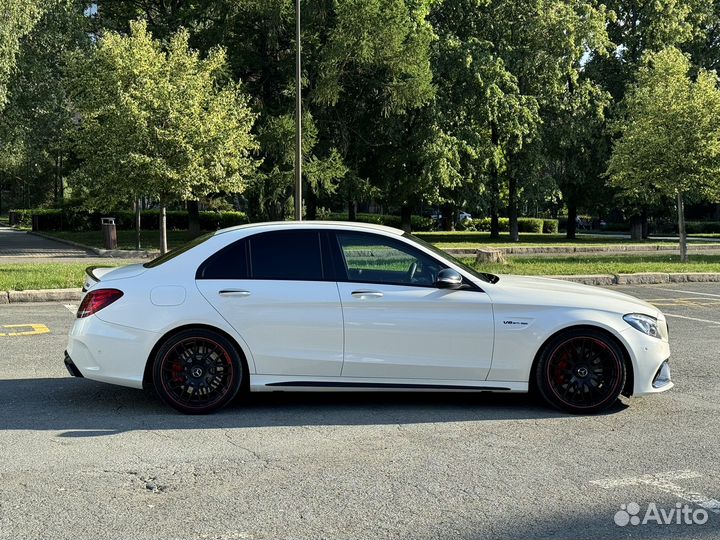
(298, 117)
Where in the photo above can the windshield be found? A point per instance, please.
(177, 251)
(488, 278)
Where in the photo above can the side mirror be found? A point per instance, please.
(448, 279)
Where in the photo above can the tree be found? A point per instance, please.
(19, 17)
(158, 123)
(669, 134)
(372, 73)
(37, 116)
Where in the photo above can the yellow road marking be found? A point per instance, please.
(35, 329)
(690, 302)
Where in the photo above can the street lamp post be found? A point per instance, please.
(298, 117)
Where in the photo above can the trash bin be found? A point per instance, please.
(109, 233)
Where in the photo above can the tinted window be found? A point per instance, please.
(228, 263)
(376, 259)
(293, 255)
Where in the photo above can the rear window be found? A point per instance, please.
(177, 251)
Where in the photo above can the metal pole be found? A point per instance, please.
(298, 117)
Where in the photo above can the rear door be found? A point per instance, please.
(398, 324)
(273, 288)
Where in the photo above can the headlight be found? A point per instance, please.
(645, 323)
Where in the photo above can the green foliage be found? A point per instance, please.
(550, 226)
(157, 122)
(77, 219)
(19, 16)
(525, 225)
(669, 134)
(419, 223)
(702, 227)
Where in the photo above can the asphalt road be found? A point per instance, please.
(83, 460)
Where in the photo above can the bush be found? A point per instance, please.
(550, 226)
(418, 223)
(525, 225)
(701, 227)
(71, 219)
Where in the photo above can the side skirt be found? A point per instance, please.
(268, 383)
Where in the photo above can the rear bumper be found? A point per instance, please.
(108, 352)
(71, 367)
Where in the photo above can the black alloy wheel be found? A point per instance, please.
(197, 371)
(581, 371)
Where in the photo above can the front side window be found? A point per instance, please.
(371, 258)
(286, 255)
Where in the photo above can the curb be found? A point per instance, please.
(643, 278)
(40, 295)
(603, 280)
(561, 250)
(110, 253)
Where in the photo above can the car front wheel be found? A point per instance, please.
(581, 371)
(197, 371)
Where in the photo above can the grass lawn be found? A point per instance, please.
(23, 276)
(28, 276)
(462, 240)
(473, 240)
(614, 264)
(126, 239)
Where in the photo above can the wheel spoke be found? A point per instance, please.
(196, 371)
(582, 371)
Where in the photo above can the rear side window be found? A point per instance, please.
(287, 255)
(231, 262)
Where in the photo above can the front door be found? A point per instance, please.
(398, 324)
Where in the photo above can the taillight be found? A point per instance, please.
(94, 301)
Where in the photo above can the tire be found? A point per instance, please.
(581, 371)
(197, 371)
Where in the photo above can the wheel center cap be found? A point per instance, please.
(582, 372)
(196, 372)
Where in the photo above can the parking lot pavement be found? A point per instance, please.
(86, 460)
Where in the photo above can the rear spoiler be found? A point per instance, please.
(93, 275)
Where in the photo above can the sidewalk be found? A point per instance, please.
(21, 247)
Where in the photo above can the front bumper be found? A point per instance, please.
(650, 359)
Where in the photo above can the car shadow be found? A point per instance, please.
(84, 408)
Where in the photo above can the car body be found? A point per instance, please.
(308, 306)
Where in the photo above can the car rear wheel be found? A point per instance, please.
(197, 371)
(581, 371)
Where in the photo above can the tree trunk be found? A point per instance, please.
(636, 227)
(571, 227)
(681, 227)
(311, 203)
(138, 209)
(352, 210)
(448, 217)
(406, 217)
(645, 225)
(163, 228)
(513, 212)
(494, 186)
(193, 208)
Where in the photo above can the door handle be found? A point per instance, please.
(234, 292)
(367, 294)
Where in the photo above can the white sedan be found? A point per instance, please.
(308, 306)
